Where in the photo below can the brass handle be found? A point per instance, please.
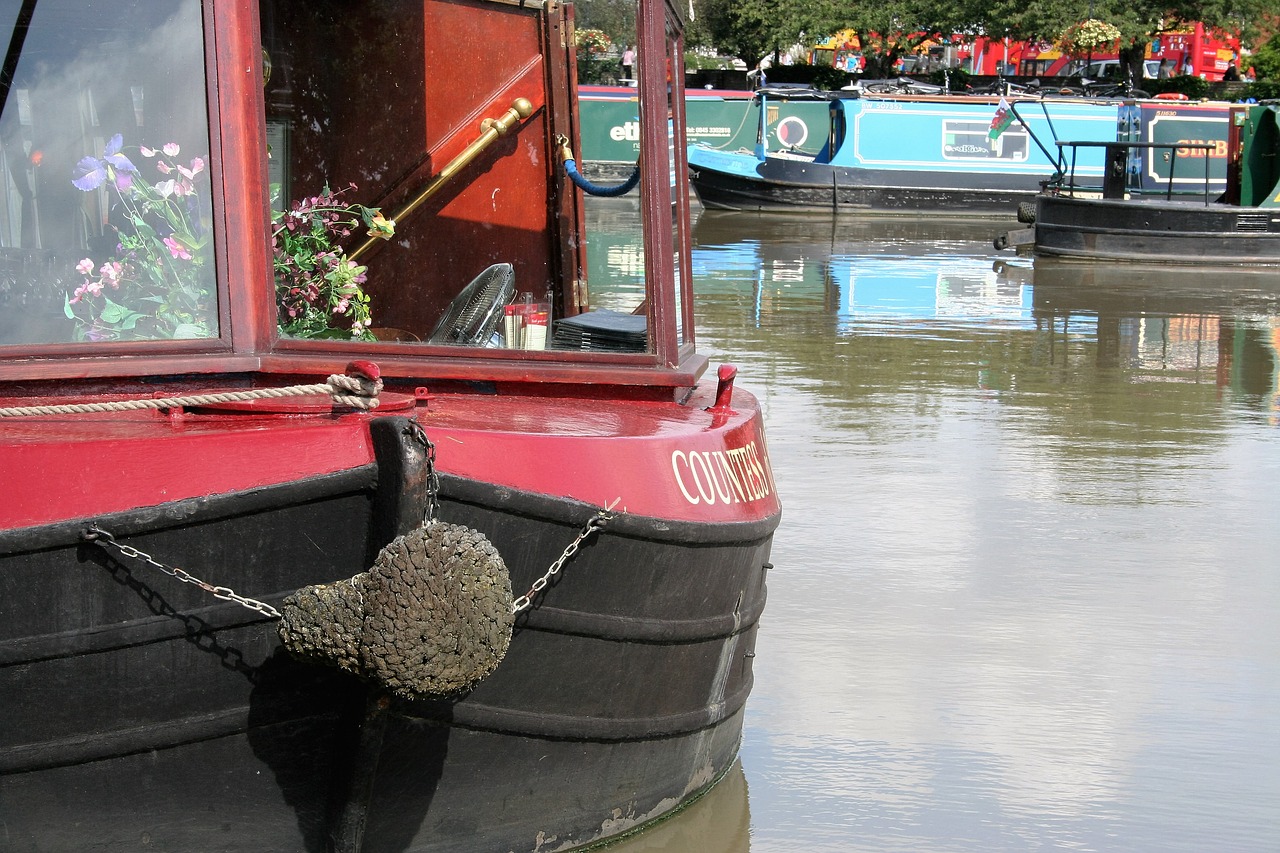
(492, 128)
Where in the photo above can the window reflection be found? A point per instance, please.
(105, 210)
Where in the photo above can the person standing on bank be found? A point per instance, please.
(628, 62)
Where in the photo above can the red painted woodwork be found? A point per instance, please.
(595, 426)
(592, 450)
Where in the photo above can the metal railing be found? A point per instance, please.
(1116, 163)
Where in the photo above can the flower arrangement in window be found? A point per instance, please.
(1087, 35)
(319, 291)
(159, 282)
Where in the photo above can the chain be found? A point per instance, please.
(103, 539)
(598, 521)
(415, 431)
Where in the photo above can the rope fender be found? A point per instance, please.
(432, 617)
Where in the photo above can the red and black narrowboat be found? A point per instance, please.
(343, 510)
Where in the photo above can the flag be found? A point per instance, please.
(1002, 120)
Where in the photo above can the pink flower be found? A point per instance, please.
(177, 249)
(85, 267)
(110, 272)
(171, 149)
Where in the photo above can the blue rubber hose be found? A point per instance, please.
(571, 169)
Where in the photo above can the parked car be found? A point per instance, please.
(1111, 69)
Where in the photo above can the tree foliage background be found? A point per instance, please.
(753, 29)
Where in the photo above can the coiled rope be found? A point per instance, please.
(357, 389)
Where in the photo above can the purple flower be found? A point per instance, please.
(90, 173)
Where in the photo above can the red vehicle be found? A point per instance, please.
(1193, 49)
(1197, 50)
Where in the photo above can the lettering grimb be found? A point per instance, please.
(722, 476)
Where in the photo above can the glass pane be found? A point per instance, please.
(371, 110)
(369, 102)
(617, 285)
(105, 209)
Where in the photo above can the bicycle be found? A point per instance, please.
(1005, 88)
(1112, 88)
(903, 86)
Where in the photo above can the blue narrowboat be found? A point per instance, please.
(964, 155)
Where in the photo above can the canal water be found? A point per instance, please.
(1025, 594)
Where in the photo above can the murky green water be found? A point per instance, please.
(1026, 593)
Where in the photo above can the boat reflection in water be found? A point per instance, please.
(717, 822)
(871, 276)
(1170, 318)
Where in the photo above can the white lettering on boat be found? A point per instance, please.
(738, 475)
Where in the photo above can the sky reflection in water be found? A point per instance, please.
(1024, 595)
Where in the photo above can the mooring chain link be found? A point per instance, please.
(104, 539)
(597, 522)
(415, 431)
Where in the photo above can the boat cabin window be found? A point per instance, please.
(106, 218)
(404, 160)
(371, 111)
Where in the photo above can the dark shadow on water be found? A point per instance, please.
(322, 734)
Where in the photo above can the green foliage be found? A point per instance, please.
(1193, 87)
(318, 288)
(817, 76)
(594, 69)
(615, 18)
(754, 29)
(1263, 90)
(694, 61)
(890, 29)
(159, 282)
(1266, 60)
(956, 78)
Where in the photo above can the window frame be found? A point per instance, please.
(248, 341)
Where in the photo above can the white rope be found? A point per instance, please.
(354, 391)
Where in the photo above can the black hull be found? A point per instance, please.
(1184, 232)
(139, 714)
(800, 185)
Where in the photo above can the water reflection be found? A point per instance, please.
(932, 280)
(1023, 595)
